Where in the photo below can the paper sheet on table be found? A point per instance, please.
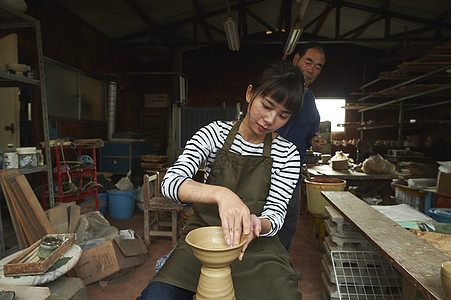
(409, 225)
(403, 213)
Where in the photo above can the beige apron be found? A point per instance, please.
(265, 271)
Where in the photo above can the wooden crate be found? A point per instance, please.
(28, 262)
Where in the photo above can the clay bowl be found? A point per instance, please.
(18, 68)
(445, 275)
(210, 248)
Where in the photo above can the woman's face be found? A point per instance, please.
(265, 114)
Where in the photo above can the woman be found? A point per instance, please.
(250, 174)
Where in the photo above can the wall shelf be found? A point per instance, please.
(11, 20)
(424, 86)
(13, 80)
(14, 21)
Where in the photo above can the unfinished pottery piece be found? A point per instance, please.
(19, 69)
(210, 248)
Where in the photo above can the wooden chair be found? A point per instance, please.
(157, 203)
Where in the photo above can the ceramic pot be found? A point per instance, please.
(210, 248)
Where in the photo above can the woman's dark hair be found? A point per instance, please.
(284, 83)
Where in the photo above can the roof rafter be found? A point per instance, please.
(202, 21)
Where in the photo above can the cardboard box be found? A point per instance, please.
(444, 184)
(109, 258)
(156, 100)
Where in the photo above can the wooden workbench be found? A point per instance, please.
(415, 259)
(349, 174)
(379, 183)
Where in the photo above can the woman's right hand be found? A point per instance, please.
(256, 228)
(235, 216)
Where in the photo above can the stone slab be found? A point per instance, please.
(67, 288)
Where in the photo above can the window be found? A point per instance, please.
(72, 94)
(332, 109)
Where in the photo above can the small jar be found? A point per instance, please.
(10, 158)
(47, 246)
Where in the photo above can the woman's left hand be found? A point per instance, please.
(255, 229)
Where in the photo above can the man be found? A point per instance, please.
(302, 132)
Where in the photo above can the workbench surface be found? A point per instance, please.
(415, 259)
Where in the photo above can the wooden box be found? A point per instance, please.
(444, 184)
(340, 164)
(28, 262)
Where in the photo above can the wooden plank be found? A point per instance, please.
(64, 217)
(31, 219)
(74, 217)
(27, 292)
(415, 259)
(34, 203)
(58, 217)
(26, 254)
(6, 192)
(30, 234)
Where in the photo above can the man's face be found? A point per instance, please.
(310, 64)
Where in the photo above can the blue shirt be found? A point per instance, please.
(304, 127)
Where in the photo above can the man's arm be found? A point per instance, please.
(318, 143)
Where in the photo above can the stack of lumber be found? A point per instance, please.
(29, 219)
(64, 217)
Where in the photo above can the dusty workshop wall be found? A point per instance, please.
(67, 39)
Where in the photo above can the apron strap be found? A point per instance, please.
(231, 136)
(267, 145)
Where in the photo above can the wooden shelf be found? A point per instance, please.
(11, 21)
(407, 125)
(33, 170)
(421, 66)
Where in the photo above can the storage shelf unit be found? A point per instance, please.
(422, 85)
(60, 176)
(16, 20)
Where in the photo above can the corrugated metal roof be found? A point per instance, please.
(152, 24)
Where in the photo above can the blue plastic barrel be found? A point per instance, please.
(441, 215)
(121, 204)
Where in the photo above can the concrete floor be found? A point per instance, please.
(305, 255)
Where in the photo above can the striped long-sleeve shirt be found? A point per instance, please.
(203, 147)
